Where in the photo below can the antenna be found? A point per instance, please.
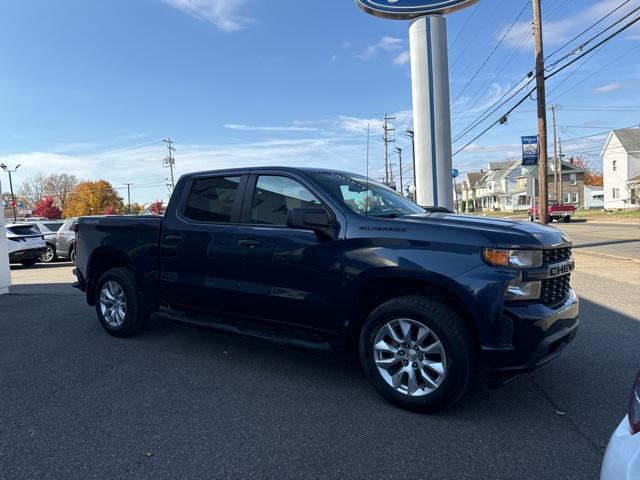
(366, 196)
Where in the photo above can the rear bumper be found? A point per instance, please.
(26, 255)
(538, 334)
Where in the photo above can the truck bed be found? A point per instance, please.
(129, 241)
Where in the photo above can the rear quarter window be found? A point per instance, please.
(212, 199)
(23, 230)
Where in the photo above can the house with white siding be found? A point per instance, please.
(621, 169)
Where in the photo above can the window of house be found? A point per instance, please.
(566, 198)
(616, 193)
(212, 199)
(573, 179)
(274, 196)
(614, 165)
(575, 198)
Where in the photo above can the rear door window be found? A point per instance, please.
(213, 199)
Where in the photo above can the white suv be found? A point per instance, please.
(26, 244)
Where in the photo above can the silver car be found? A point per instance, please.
(66, 240)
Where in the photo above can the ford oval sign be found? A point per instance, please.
(407, 9)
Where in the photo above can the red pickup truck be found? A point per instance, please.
(556, 210)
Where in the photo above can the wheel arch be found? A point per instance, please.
(102, 259)
(383, 286)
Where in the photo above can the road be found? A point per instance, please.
(182, 402)
(608, 238)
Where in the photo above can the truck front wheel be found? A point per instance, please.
(418, 353)
(118, 304)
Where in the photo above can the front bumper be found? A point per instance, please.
(622, 459)
(26, 255)
(537, 335)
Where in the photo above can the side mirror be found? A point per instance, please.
(315, 219)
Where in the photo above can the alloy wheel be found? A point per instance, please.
(410, 357)
(113, 304)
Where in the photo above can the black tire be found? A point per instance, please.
(531, 219)
(137, 314)
(567, 219)
(28, 263)
(454, 336)
(50, 255)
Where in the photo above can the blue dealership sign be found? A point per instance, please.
(407, 9)
(530, 150)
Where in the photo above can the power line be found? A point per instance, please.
(492, 52)
(581, 47)
(588, 29)
(599, 70)
(552, 74)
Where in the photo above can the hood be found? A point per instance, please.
(500, 233)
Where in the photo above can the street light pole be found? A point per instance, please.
(399, 152)
(13, 198)
(411, 134)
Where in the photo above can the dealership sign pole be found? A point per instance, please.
(430, 85)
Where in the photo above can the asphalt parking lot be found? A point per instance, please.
(182, 402)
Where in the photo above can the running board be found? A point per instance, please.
(243, 329)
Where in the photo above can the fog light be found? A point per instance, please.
(519, 290)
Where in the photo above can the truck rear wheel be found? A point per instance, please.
(567, 219)
(118, 304)
(418, 353)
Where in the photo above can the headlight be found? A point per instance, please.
(520, 291)
(513, 258)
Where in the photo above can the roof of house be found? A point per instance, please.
(628, 137)
(475, 177)
(635, 179)
(500, 165)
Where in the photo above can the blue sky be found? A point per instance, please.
(92, 87)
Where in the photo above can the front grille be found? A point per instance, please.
(556, 255)
(555, 290)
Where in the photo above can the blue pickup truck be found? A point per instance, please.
(322, 259)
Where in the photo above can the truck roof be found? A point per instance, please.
(306, 170)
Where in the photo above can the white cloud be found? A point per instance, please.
(386, 44)
(403, 58)
(224, 14)
(234, 126)
(609, 87)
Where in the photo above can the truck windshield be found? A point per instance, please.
(366, 197)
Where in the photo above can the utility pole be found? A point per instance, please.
(13, 198)
(399, 152)
(560, 199)
(555, 155)
(129, 196)
(542, 113)
(387, 141)
(170, 161)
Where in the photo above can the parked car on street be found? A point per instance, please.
(48, 228)
(319, 259)
(622, 458)
(26, 243)
(557, 211)
(66, 240)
